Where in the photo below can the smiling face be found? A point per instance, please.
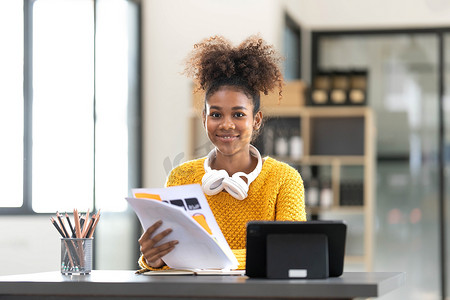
(229, 121)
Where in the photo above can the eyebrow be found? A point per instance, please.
(233, 108)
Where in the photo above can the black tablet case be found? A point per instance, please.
(258, 231)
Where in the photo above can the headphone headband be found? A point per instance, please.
(214, 181)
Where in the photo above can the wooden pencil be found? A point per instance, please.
(70, 225)
(97, 217)
(61, 223)
(57, 227)
(77, 223)
(88, 228)
(83, 228)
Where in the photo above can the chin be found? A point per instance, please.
(228, 149)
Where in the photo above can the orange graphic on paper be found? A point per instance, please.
(202, 221)
(147, 196)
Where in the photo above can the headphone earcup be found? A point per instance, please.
(212, 181)
(236, 186)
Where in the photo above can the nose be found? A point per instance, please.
(227, 124)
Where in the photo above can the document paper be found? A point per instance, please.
(185, 209)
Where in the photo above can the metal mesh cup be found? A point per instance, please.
(76, 256)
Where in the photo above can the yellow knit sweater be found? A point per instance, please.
(276, 194)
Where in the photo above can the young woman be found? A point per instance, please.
(240, 186)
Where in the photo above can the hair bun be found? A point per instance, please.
(253, 63)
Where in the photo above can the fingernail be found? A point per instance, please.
(159, 222)
(175, 242)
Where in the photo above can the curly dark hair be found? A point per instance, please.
(252, 67)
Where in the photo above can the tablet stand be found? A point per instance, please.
(297, 256)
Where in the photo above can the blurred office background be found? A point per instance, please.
(92, 104)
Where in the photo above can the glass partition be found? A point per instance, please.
(403, 92)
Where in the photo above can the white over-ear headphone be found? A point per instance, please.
(214, 181)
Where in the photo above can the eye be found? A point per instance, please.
(214, 114)
(239, 114)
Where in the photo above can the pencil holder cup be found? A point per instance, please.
(76, 256)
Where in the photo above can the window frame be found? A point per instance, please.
(26, 208)
(134, 108)
(294, 27)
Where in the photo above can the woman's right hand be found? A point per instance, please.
(148, 240)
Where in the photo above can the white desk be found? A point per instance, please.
(127, 285)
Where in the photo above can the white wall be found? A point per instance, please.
(359, 14)
(28, 244)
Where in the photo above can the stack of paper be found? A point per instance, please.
(185, 210)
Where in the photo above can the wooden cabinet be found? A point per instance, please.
(336, 158)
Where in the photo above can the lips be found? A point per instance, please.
(227, 137)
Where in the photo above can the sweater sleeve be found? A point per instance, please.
(291, 198)
(145, 267)
(240, 256)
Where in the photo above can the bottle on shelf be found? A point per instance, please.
(320, 88)
(282, 144)
(326, 195)
(295, 145)
(312, 193)
(340, 86)
(358, 87)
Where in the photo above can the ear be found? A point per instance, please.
(257, 120)
(204, 118)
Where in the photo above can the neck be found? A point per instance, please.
(242, 161)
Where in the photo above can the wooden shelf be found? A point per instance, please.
(339, 209)
(330, 160)
(323, 160)
(283, 111)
